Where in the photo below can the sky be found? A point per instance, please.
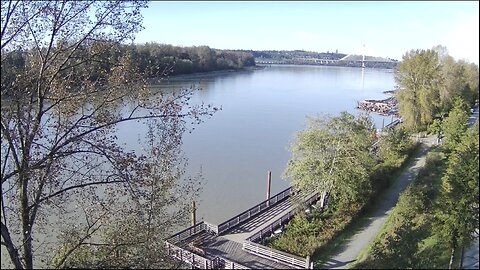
(386, 29)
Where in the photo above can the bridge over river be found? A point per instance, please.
(236, 243)
(351, 60)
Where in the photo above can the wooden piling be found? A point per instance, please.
(269, 182)
(194, 214)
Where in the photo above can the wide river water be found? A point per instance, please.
(261, 112)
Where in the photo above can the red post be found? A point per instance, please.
(269, 182)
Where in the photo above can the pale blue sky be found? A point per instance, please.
(387, 29)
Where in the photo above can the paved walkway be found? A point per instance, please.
(362, 238)
(470, 258)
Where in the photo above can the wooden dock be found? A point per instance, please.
(235, 243)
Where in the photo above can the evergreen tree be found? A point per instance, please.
(459, 206)
(455, 125)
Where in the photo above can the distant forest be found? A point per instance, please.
(151, 60)
(155, 59)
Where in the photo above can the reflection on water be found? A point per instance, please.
(261, 111)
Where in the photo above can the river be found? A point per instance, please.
(261, 112)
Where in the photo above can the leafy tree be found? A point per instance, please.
(418, 78)
(397, 250)
(332, 156)
(455, 125)
(429, 82)
(458, 206)
(62, 167)
(157, 60)
(436, 128)
(471, 77)
(459, 80)
(394, 146)
(454, 84)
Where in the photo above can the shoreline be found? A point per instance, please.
(258, 66)
(202, 74)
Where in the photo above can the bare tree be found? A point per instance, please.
(67, 86)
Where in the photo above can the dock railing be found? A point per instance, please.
(275, 255)
(253, 211)
(272, 227)
(392, 124)
(282, 220)
(211, 228)
(188, 232)
(194, 260)
(222, 263)
(199, 262)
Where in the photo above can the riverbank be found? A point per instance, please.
(203, 75)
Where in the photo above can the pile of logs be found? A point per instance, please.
(384, 107)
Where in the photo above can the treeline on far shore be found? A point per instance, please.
(152, 60)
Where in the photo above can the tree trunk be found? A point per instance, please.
(27, 246)
(452, 255)
(12, 251)
(26, 224)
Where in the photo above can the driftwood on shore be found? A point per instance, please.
(386, 106)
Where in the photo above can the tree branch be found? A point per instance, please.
(73, 187)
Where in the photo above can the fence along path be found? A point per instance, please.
(231, 244)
